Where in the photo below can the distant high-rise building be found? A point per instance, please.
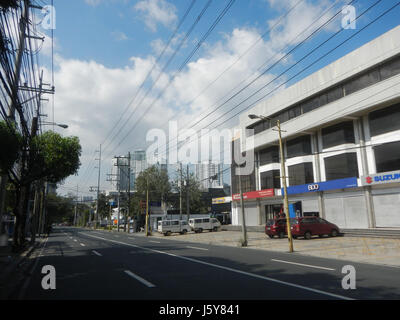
(209, 175)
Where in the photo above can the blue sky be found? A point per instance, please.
(104, 49)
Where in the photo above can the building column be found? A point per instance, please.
(260, 217)
(321, 204)
(364, 172)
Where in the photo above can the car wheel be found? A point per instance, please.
(271, 236)
(184, 231)
(294, 237)
(281, 235)
(307, 235)
(200, 230)
(321, 235)
(334, 233)
(215, 229)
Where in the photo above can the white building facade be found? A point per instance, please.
(341, 133)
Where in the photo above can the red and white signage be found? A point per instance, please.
(255, 194)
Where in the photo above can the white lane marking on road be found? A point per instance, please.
(75, 240)
(304, 265)
(197, 248)
(144, 281)
(233, 270)
(96, 253)
(82, 244)
(154, 241)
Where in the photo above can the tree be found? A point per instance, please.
(60, 209)
(50, 157)
(10, 144)
(196, 204)
(156, 181)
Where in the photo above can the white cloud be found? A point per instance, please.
(90, 97)
(156, 12)
(119, 36)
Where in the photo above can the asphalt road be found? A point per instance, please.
(109, 265)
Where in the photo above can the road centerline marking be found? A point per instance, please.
(254, 275)
(154, 241)
(82, 244)
(97, 253)
(144, 281)
(304, 265)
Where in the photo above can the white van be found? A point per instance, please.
(200, 224)
(167, 227)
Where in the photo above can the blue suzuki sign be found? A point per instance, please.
(323, 186)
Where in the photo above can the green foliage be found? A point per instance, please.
(55, 157)
(196, 203)
(60, 209)
(157, 182)
(8, 4)
(10, 144)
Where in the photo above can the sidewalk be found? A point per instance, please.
(358, 249)
(11, 265)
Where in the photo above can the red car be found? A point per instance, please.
(311, 226)
(276, 227)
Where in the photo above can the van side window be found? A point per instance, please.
(206, 220)
(184, 223)
(197, 220)
(174, 223)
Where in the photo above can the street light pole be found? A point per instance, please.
(286, 201)
(244, 231)
(283, 171)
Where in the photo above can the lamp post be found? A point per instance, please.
(64, 126)
(283, 170)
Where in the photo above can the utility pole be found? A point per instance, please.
(129, 189)
(76, 204)
(283, 171)
(111, 179)
(14, 94)
(244, 231)
(147, 207)
(286, 201)
(180, 191)
(98, 190)
(187, 194)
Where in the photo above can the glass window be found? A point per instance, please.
(206, 220)
(338, 134)
(197, 220)
(361, 82)
(387, 157)
(385, 120)
(341, 166)
(301, 173)
(300, 146)
(283, 116)
(175, 223)
(270, 179)
(334, 94)
(294, 112)
(269, 155)
(390, 69)
(310, 104)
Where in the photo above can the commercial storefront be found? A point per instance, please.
(385, 191)
(340, 140)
